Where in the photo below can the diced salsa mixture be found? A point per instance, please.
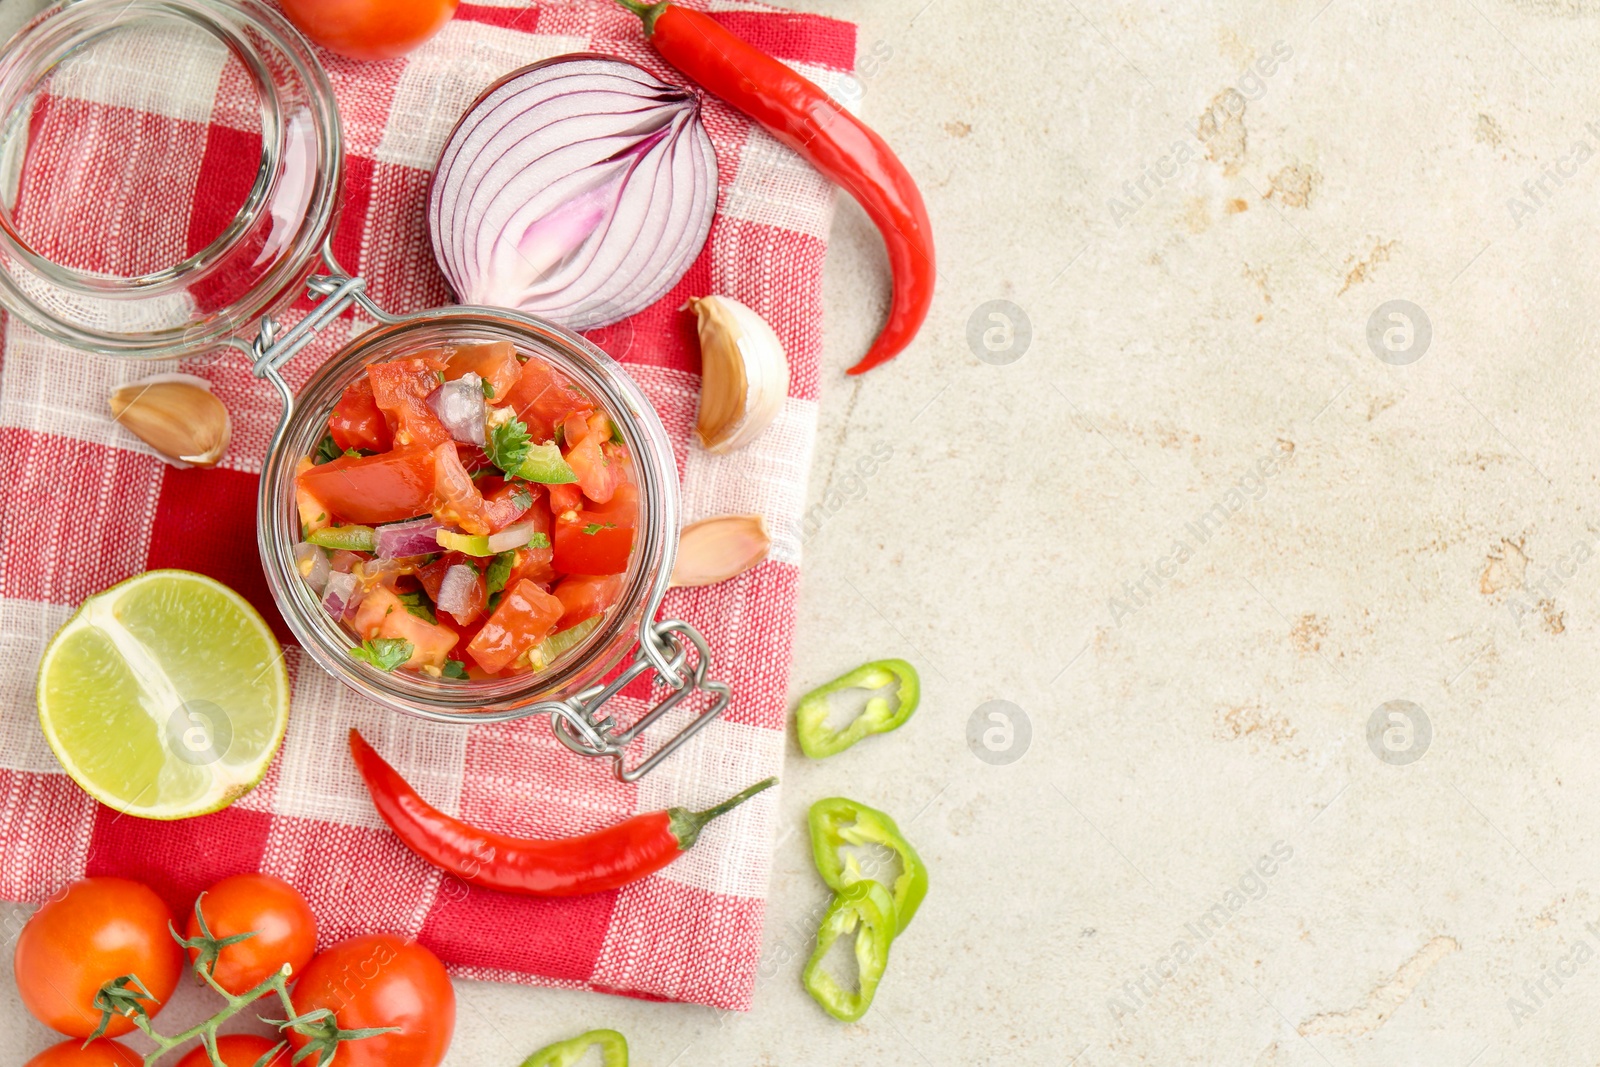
(469, 513)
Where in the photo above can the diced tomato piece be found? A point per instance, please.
(401, 388)
(387, 487)
(496, 363)
(591, 544)
(313, 512)
(507, 502)
(525, 617)
(473, 458)
(382, 614)
(456, 499)
(564, 498)
(534, 564)
(432, 578)
(543, 397)
(596, 476)
(584, 596)
(622, 508)
(356, 421)
(432, 575)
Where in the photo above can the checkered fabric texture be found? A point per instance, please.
(85, 504)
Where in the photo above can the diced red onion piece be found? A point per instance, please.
(579, 189)
(341, 595)
(455, 591)
(514, 536)
(460, 407)
(312, 562)
(414, 537)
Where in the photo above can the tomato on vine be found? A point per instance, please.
(276, 918)
(238, 1050)
(100, 929)
(98, 1053)
(380, 980)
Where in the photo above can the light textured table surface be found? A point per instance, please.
(1222, 509)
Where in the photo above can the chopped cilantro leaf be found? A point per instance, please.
(488, 388)
(499, 571)
(455, 669)
(616, 434)
(508, 445)
(327, 451)
(521, 497)
(539, 540)
(417, 604)
(595, 527)
(384, 653)
(494, 601)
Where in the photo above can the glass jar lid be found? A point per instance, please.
(169, 170)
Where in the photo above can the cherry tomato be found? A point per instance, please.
(591, 543)
(456, 499)
(99, 929)
(543, 398)
(388, 487)
(369, 29)
(382, 614)
(382, 980)
(356, 421)
(496, 363)
(237, 1050)
(400, 388)
(584, 596)
(98, 1053)
(525, 617)
(285, 929)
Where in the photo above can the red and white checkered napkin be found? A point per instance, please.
(85, 504)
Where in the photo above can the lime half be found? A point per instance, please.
(165, 696)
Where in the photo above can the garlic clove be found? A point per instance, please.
(716, 549)
(744, 373)
(177, 415)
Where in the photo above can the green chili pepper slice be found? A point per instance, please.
(811, 716)
(613, 1050)
(350, 538)
(839, 821)
(866, 910)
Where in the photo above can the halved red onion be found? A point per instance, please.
(414, 537)
(579, 189)
(514, 536)
(342, 595)
(455, 590)
(460, 407)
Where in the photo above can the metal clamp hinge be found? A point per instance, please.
(581, 723)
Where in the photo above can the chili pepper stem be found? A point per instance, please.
(686, 825)
(648, 12)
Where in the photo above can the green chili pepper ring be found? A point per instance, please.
(839, 821)
(866, 910)
(811, 715)
(613, 1050)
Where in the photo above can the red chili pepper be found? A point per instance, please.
(800, 114)
(590, 863)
